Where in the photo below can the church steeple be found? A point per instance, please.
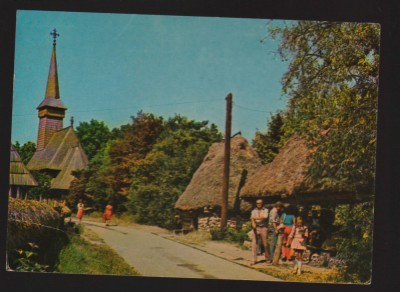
(52, 90)
(51, 109)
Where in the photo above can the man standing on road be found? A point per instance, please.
(273, 222)
(259, 224)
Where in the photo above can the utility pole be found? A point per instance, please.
(227, 155)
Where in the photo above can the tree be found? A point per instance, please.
(92, 184)
(332, 86)
(93, 136)
(267, 145)
(25, 151)
(161, 177)
(332, 89)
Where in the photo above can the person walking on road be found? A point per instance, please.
(80, 208)
(259, 224)
(297, 241)
(108, 213)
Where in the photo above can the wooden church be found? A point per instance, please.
(58, 151)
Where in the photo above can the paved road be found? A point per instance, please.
(153, 255)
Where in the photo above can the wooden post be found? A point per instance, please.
(227, 154)
(278, 249)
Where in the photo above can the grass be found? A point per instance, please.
(309, 275)
(87, 254)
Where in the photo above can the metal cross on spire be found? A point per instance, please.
(55, 35)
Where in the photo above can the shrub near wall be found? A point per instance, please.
(31, 221)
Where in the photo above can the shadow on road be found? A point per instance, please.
(105, 227)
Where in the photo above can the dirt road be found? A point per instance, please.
(156, 256)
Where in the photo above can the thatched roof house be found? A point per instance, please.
(62, 155)
(20, 177)
(205, 188)
(286, 179)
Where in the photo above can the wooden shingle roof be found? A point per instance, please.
(64, 154)
(19, 174)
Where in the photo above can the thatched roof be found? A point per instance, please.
(286, 174)
(19, 175)
(64, 154)
(205, 187)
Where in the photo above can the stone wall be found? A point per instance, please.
(209, 222)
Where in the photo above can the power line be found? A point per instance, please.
(127, 108)
(250, 109)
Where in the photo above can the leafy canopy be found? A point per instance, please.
(162, 176)
(332, 89)
(93, 136)
(268, 144)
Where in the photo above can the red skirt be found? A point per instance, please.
(107, 215)
(79, 215)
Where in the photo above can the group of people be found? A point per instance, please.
(268, 224)
(107, 215)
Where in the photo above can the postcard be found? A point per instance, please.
(193, 147)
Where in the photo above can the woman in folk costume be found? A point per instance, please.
(80, 208)
(288, 220)
(108, 213)
(297, 241)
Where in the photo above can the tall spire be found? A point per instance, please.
(51, 109)
(52, 90)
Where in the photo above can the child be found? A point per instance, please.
(298, 243)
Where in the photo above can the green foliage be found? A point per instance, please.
(217, 234)
(28, 260)
(145, 167)
(108, 176)
(124, 153)
(234, 235)
(42, 190)
(93, 136)
(237, 236)
(332, 85)
(161, 177)
(268, 144)
(154, 205)
(355, 245)
(82, 257)
(38, 222)
(25, 151)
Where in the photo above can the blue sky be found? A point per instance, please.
(111, 66)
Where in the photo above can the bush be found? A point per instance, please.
(27, 261)
(355, 245)
(33, 234)
(237, 236)
(231, 234)
(217, 234)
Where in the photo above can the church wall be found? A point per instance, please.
(47, 127)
